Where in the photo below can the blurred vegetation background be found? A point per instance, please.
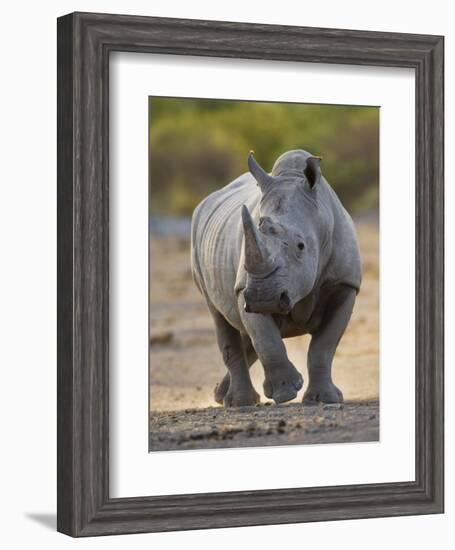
(199, 145)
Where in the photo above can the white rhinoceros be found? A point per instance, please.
(275, 256)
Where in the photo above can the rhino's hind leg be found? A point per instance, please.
(222, 387)
(240, 391)
(323, 346)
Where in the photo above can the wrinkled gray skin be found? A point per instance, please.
(275, 256)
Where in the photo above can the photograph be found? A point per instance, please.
(264, 273)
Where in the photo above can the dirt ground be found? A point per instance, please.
(216, 427)
(185, 365)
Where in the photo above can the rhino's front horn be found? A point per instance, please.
(257, 257)
(260, 175)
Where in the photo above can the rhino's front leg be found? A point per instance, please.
(323, 345)
(222, 388)
(282, 379)
(240, 391)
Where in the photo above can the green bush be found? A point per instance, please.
(197, 146)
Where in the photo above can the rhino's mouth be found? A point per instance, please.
(258, 303)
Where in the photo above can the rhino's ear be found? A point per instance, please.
(312, 170)
(264, 180)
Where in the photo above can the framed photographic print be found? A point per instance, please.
(250, 284)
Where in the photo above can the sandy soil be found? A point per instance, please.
(185, 363)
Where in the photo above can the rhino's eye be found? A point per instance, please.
(300, 246)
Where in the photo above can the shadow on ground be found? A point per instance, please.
(46, 520)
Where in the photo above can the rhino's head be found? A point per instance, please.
(284, 241)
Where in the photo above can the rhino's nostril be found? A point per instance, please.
(284, 299)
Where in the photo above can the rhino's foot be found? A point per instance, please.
(327, 393)
(222, 388)
(242, 398)
(284, 384)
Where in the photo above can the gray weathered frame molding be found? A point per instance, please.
(84, 43)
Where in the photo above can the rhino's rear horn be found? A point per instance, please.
(257, 257)
(264, 179)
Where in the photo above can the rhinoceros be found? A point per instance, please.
(275, 255)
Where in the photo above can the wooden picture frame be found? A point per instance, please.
(84, 44)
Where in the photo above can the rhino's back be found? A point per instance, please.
(216, 240)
